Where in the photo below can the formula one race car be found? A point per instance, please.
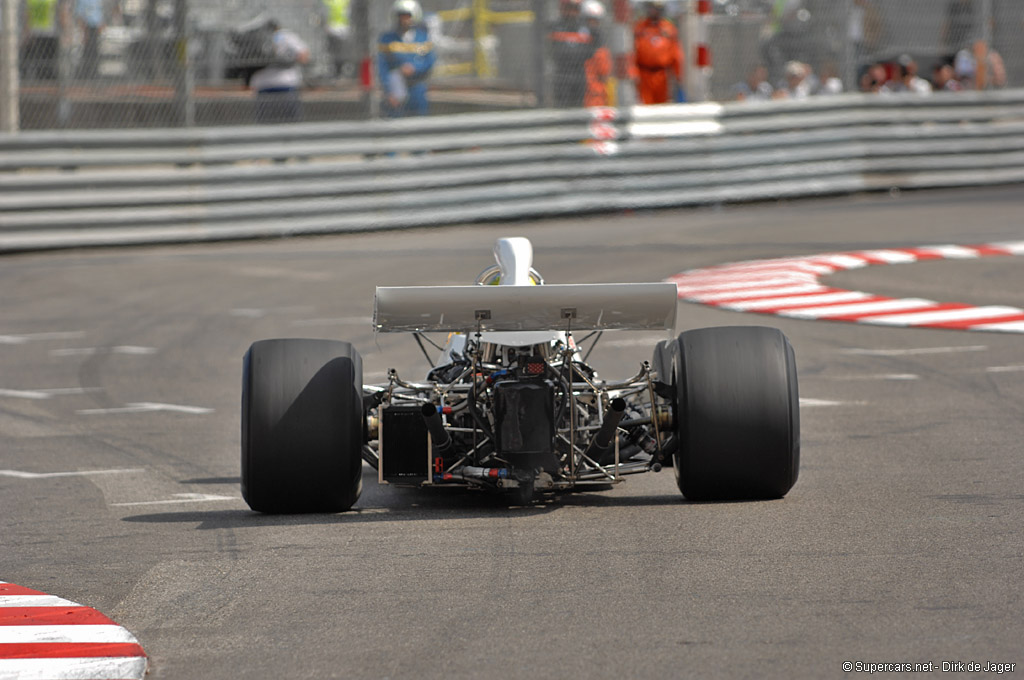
(512, 407)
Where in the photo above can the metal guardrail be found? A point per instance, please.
(70, 189)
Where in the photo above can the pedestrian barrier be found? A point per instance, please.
(88, 188)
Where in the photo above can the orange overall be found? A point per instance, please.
(598, 68)
(656, 52)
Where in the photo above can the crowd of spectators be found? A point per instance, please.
(968, 61)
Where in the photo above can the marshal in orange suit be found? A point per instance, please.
(656, 54)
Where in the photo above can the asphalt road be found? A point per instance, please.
(901, 541)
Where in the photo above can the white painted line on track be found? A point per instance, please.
(1005, 369)
(145, 407)
(790, 287)
(10, 339)
(24, 394)
(91, 351)
(806, 401)
(47, 393)
(181, 498)
(876, 376)
(912, 351)
(19, 474)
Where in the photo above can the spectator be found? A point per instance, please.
(571, 47)
(990, 75)
(873, 78)
(830, 83)
(963, 35)
(91, 21)
(799, 82)
(756, 87)
(405, 59)
(277, 85)
(338, 33)
(599, 66)
(40, 36)
(905, 78)
(944, 78)
(658, 55)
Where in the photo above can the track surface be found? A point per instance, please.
(900, 542)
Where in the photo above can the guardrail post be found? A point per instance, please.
(9, 88)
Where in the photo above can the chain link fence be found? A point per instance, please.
(161, 63)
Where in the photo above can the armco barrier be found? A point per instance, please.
(66, 189)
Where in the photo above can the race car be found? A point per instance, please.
(512, 407)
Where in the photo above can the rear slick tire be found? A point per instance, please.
(738, 414)
(302, 426)
(661, 362)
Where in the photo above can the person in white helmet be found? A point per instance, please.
(405, 58)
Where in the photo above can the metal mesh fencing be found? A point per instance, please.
(160, 63)
(864, 45)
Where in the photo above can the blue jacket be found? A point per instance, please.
(393, 52)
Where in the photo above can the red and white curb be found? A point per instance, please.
(48, 637)
(790, 287)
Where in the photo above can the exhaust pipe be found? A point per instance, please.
(603, 439)
(438, 435)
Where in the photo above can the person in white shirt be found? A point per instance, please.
(277, 84)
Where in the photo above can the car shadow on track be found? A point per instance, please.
(391, 504)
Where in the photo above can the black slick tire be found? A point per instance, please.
(737, 415)
(661, 362)
(302, 426)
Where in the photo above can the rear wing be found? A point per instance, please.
(463, 309)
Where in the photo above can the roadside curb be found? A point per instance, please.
(790, 287)
(44, 636)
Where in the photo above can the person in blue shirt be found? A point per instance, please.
(405, 57)
(91, 19)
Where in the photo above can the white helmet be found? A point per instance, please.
(410, 7)
(593, 9)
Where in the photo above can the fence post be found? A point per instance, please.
(9, 88)
(184, 77)
(693, 40)
(540, 50)
(365, 40)
(850, 57)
